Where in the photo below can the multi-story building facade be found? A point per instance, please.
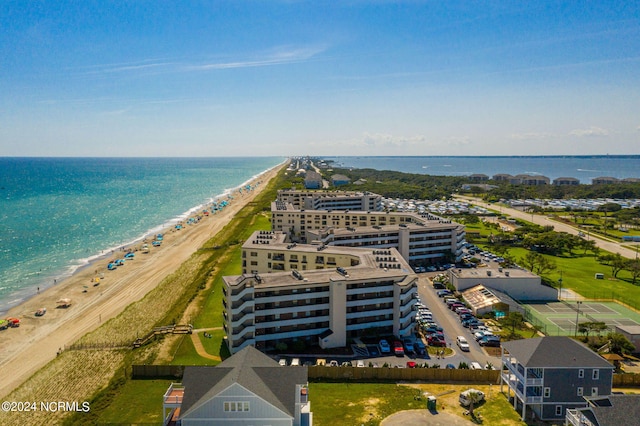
(419, 238)
(324, 307)
(548, 375)
(331, 200)
(268, 251)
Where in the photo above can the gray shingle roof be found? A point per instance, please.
(252, 370)
(554, 352)
(614, 410)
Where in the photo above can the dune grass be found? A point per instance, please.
(147, 409)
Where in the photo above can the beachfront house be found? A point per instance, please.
(545, 376)
(248, 388)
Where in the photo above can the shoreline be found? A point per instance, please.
(38, 339)
(75, 266)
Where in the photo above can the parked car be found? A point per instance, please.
(333, 363)
(434, 340)
(295, 362)
(397, 348)
(384, 347)
(450, 367)
(491, 341)
(408, 345)
(462, 343)
(475, 365)
(360, 363)
(282, 362)
(411, 364)
(420, 347)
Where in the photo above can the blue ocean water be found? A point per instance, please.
(56, 214)
(584, 168)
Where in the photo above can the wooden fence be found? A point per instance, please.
(375, 374)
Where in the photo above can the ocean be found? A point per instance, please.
(584, 168)
(58, 214)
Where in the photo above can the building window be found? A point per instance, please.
(596, 374)
(558, 410)
(580, 391)
(581, 373)
(594, 391)
(254, 254)
(547, 392)
(236, 406)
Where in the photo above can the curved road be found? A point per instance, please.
(605, 244)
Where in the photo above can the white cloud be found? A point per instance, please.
(457, 140)
(278, 56)
(591, 131)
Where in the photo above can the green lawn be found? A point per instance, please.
(137, 401)
(359, 404)
(369, 403)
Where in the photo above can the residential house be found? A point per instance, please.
(548, 375)
(248, 388)
(611, 410)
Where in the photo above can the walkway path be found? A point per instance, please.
(198, 344)
(605, 244)
(424, 417)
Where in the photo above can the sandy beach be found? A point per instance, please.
(38, 339)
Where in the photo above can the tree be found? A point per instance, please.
(514, 319)
(633, 266)
(475, 397)
(615, 261)
(618, 344)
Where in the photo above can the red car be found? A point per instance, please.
(397, 348)
(411, 364)
(434, 341)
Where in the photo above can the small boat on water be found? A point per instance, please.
(40, 312)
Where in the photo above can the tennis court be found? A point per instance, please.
(559, 318)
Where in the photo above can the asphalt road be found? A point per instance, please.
(605, 244)
(449, 321)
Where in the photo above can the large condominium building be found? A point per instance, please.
(324, 307)
(421, 239)
(268, 251)
(331, 200)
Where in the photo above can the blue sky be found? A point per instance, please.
(219, 78)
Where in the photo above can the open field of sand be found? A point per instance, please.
(38, 339)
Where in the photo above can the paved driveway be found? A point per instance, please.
(424, 417)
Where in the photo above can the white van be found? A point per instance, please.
(465, 400)
(462, 343)
(475, 366)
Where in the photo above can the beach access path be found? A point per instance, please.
(605, 244)
(37, 341)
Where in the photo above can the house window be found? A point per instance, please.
(580, 391)
(236, 406)
(547, 392)
(581, 373)
(594, 391)
(596, 374)
(254, 254)
(558, 410)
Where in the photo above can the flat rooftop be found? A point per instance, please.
(481, 273)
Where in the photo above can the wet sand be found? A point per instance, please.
(27, 348)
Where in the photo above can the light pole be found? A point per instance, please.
(560, 287)
(577, 313)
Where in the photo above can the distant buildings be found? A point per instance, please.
(330, 200)
(563, 181)
(604, 180)
(548, 375)
(338, 180)
(313, 180)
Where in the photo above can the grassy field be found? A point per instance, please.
(368, 404)
(147, 395)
